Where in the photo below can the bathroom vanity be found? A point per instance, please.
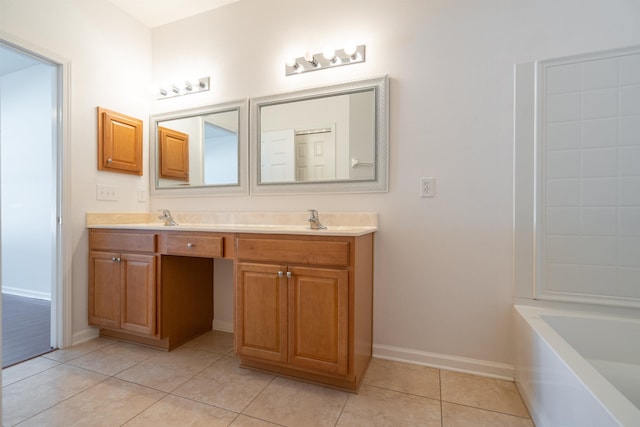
(303, 298)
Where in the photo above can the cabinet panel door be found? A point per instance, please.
(104, 289)
(138, 294)
(173, 154)
(261, 311)
(318, 319)
(119, 142)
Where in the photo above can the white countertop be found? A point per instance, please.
(341, 224)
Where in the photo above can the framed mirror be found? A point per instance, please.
(327, 139)
(200, 151)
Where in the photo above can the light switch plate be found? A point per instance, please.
(106, 192)
(427, 187)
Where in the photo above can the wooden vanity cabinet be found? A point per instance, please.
(122, 282)
(153, 288)
(303, 306)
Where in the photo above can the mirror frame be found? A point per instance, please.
(202, 190)
(380, 183)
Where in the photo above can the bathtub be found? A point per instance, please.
(578, 368)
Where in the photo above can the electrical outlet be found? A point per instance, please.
(427, 187)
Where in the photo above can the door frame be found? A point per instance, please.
(61, 292)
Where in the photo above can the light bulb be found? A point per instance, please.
(292, 62)
(308, 56)
(330, 54)
(351, 50)
(153, 88)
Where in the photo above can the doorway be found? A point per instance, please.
(29, 202)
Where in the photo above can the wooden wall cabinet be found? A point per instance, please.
(119, 142)
(308, 315)
(173, 153)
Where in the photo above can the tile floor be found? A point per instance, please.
(110, 383)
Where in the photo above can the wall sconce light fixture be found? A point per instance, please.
(187, 87)
(327, 59)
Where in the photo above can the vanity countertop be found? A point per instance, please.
(338, 224)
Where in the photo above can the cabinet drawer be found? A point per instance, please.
(195, 245)
(115, 241)
(307, 252)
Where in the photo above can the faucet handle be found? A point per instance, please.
(313, 213)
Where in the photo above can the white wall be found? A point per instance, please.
(443, 272)
(28, 188)
(110, 65)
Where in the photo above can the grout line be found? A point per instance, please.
(258, 394)
(68, 398)
(344, 405)
(440, 390)
(491, 410)
(145, 409)
(401, 392)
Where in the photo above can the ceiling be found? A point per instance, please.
(154, 13)
(13, 60)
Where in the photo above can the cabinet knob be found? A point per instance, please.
(280, 274)
(109, 160)
(115, 259)
(190, 245)
(288, 275)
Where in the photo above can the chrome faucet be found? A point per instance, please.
(314, 221)
(167, 218)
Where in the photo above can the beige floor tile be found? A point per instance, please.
(179, 412)
(464, 416)
(244, 421)
(226, 385)
(110, 403)
(295, 403)
(113, 359)
(32, 395)
(214, 341)
(404, 377)
(71, 353)
(26, 369)
(480, 392)
(168, 370)
(374, 407)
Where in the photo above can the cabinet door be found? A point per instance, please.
(261, 311)
(318, 319)
(173, 153)
(119, 142)
(138, 294)
(104, 289)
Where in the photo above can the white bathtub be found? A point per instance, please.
(577, 368)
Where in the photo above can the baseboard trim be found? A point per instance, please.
(85, 335)
(444, 361)
(223, 326)
(26, 293)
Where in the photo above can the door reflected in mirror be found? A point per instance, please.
(202, 148)
(332, 138)
(322, 139)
